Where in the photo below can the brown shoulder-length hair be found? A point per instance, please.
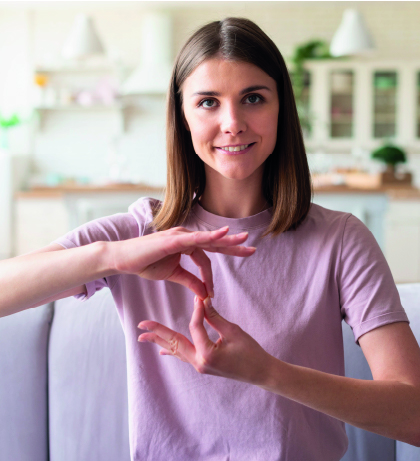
(286, 183)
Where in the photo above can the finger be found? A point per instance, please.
(204, 264)
(204, 239)
(233, 251)
(226, 241)
(188, 280)
(154, 338)
(178, 356)
(177, 342)
(199, 334)
(188, 240)
(214, 319)
(167, 348)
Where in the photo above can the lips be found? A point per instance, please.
(226, 152)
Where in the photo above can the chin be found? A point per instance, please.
(238, 175)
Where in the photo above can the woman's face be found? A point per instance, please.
(231, 105)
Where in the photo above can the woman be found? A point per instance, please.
(236, 158)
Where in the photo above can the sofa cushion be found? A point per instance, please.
(410, 299)
(363, 445)
(87, 382)
(23, 390)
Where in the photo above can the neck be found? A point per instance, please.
(233, 198)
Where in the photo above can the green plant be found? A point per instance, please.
(390, 155)
(5, 124)
(313, 49)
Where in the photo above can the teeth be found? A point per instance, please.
(235, 149)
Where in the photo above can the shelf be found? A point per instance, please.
(79, 69)
(75, 107)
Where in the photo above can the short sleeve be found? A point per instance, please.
(120, 226)
(368, 295)
(91, 287)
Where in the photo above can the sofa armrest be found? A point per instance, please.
(88, 381)
(410, 299)
(23, 384)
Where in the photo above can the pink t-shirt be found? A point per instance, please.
(291, 296)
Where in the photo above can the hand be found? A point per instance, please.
(157, 256)
(234, 355)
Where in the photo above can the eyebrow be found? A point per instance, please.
(245, 90)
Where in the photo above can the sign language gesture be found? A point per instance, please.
(234, 355)
(157, 256)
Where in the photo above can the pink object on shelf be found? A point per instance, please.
(85, 98)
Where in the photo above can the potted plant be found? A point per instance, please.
(391, 156)
(313, 49)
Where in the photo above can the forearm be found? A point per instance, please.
(28, 279)
(391, 409)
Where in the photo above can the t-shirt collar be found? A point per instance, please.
(261, 219)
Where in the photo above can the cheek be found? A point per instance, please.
(203, 133)
(268, 126)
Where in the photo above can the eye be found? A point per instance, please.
(252, 98)
(202, 103)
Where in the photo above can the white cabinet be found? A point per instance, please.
(402, 240)
(38, 221)
(358, 103)
(370, 208)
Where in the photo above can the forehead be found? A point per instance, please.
(219, 74)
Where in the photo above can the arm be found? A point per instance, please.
(46, 275)
(389, 405)
(39, 277)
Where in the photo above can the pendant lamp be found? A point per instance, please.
(83, 40)
(153, 73)
(352, 36)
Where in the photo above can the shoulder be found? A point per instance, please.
(142, 211)
(324, 220)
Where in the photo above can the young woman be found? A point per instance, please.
(261, 377)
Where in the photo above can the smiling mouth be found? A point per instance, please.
(236, 148)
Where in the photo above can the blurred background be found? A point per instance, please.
(82, 110)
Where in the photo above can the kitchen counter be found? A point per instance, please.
(61, 190)
(394, 193)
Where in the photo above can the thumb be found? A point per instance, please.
(214, 319)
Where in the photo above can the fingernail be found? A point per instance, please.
(207, 302)
(195, 299)
(142, 326)
(224, 228)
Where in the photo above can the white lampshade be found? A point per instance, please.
(153, 73)
(352, 36)
(83, 40)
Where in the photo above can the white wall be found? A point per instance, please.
(78, 145)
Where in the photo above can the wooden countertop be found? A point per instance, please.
(394, 193)
(59, 191)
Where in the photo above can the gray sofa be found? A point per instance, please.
(63, 384)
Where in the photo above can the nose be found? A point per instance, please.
(232, 120)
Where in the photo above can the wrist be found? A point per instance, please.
(103, 253)
(272, 377)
